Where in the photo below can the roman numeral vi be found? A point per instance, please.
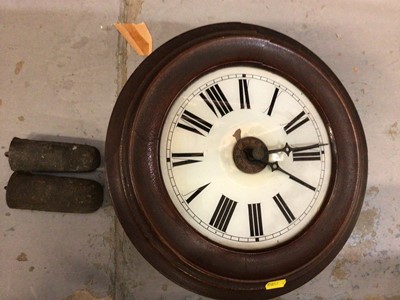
(255, 220)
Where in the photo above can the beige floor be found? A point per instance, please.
(62, 65)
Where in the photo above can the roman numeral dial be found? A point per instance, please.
(245, 158)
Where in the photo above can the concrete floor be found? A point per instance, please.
(62, 66)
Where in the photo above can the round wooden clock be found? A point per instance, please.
(236, 162)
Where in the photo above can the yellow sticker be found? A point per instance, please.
(277, 284)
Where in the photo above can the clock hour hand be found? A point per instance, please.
(287, 148)
(262, 154)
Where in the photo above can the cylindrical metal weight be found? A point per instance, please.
(43, 156)
(53, 193)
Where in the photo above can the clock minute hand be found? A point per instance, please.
(275, 167)
(259, 155)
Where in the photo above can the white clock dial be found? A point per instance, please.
(245, 157)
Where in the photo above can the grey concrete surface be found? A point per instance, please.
(61, 68)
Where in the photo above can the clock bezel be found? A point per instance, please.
(143, 206)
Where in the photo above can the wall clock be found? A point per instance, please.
(236, 162)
